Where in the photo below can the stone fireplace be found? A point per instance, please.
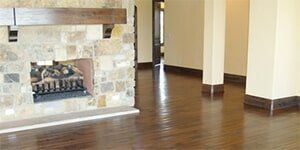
(66, 68)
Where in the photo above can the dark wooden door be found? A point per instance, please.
(156, 33)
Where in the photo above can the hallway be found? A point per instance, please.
(174, 115)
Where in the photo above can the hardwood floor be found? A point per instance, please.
(174, 115)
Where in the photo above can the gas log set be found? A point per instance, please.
(57, 81)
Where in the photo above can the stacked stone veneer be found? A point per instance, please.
(113, 60)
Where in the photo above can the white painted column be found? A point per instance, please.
(261, 51)
(273, 53)
(214, 45)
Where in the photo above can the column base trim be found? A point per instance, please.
(213, 89)
(270, 104)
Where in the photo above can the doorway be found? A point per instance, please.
(158, 31)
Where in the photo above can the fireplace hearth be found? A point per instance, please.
(52, 80)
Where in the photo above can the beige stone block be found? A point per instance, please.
(117, 74)
(117, 31)
(7, 102)
(108, 47)
(128, 28)
(128, 102)
(26, 3)
(92, 3)
(130, 84)
(80, 28)
(92, 102)
(107, 87)
(9, 3)
(129, 5)
(17, 66)
(94, 32)
(24, 99)
(81, 3)
(69, 3)
(128, 46)
(128, 38)
(11, 88)
(71, 52)
(25, 78)
(76, 37)
(3, 35)
(6, 54)
(130, 55)
(1, 78)
(46, 53)
(130, 92)
(106, 63)
(26, 88)
(120, 86)
(113, 3)
(130, 73)
(130, 20)
(120, 61)
(39, 34)
(113, 100)
(46, 3)
(86, 51)
(60, 53)
(68, 28)
(101, 101)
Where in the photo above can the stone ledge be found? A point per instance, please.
(55, 120)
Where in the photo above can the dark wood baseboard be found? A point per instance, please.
(189, 71)
(235, 78)
(199, 73)
(270, 104)
(212, 89)
(143, 66)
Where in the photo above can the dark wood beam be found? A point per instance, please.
(61, 16)
(68, 16)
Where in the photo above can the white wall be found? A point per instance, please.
(184, 27)
(185, 31)
(237, 24)
(144, 30)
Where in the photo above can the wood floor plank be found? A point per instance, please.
(174, 115)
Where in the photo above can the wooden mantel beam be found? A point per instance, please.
(61, 16)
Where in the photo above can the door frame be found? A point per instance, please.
(136, 39)
(154, 54)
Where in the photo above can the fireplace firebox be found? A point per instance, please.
(55, 80)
